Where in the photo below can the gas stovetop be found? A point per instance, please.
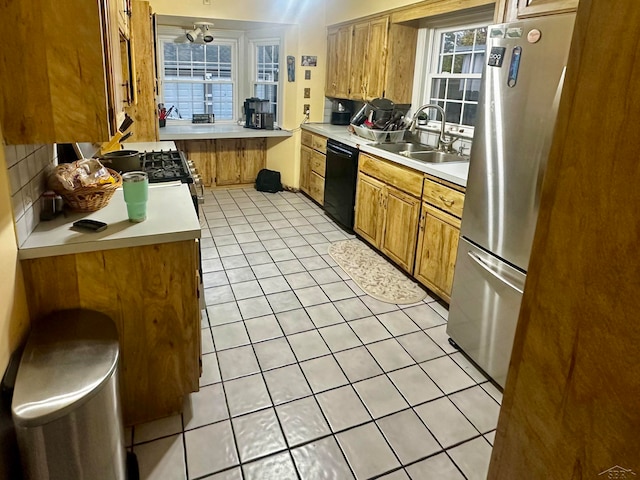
(166, 166)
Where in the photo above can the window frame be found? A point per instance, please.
(169, 35)
(427, 56)
(253, 44)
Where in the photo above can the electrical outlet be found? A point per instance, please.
(307, 93)
(307, 109)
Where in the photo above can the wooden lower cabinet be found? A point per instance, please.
(437, 250)
(305, 168)
(238, 161)
(226, 161)
(398, 240)
(369, 214)
(388, 216)
(150, 292)
(388, 219)
(313, 165)
(316, 187)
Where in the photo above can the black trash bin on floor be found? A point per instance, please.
(66, 406)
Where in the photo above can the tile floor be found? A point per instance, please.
(304, 375)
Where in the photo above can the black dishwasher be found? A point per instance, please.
(340, 182)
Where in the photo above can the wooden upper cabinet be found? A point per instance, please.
(511, 10)
(400, 62)
(143, 109)
(338, 62)
(359, 45)
(374, 70)
(371, 58)
(53, 78)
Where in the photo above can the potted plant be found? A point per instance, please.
(423, 118)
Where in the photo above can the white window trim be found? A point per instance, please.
(227, 37)
(253, 43)
(427, 57)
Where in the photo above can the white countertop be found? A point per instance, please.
(149, 146)
(203, 131)
(170, 218)
(454, 172)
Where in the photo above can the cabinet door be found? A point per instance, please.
(331, 81)
(369, 214)
(318, 163)
(437, 250)
(359, 48)
(527, 8)
(228, 159)
(144, 109)
(512, 10)
(400, 62)
(305, 168)
(374, 73)
(400, 227)
(52, 72)
(316, 187)
(344, 62)
(253, 158)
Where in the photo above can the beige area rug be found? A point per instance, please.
(374, 274)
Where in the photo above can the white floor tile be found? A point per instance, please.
(162, 459)
(201, 458)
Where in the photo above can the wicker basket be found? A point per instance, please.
(87, 199)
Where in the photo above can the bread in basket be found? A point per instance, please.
(86, 198)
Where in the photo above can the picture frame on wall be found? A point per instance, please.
(309, 61)
(307, 74)
(291, 68)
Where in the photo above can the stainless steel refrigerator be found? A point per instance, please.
(520, 91)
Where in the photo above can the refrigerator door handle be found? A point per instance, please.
(490, 269)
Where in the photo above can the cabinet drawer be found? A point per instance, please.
(307, 138)
(443, 197)
(319, 143)
(316, 187)
(402, 178)
(318, 163)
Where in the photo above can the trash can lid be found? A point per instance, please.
(69, 355)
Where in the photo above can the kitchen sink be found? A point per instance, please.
(409, 147)
(436, 157)
(423, 153)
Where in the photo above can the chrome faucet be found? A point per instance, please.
(443, 143)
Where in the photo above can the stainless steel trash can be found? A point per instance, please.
(66, 406)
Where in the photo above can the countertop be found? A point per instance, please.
(205, 131)
(454, 172)
(170, 218)
(149, 146)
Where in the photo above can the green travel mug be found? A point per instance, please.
(135, 186)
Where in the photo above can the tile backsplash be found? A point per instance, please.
(28, 167)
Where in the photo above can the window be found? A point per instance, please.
(453, 68)
(266, 72)
(199, 78)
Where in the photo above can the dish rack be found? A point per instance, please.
(379, 136)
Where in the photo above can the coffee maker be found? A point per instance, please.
(257, 114)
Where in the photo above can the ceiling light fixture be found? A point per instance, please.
(204, 30)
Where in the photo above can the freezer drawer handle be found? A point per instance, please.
(476, 258)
